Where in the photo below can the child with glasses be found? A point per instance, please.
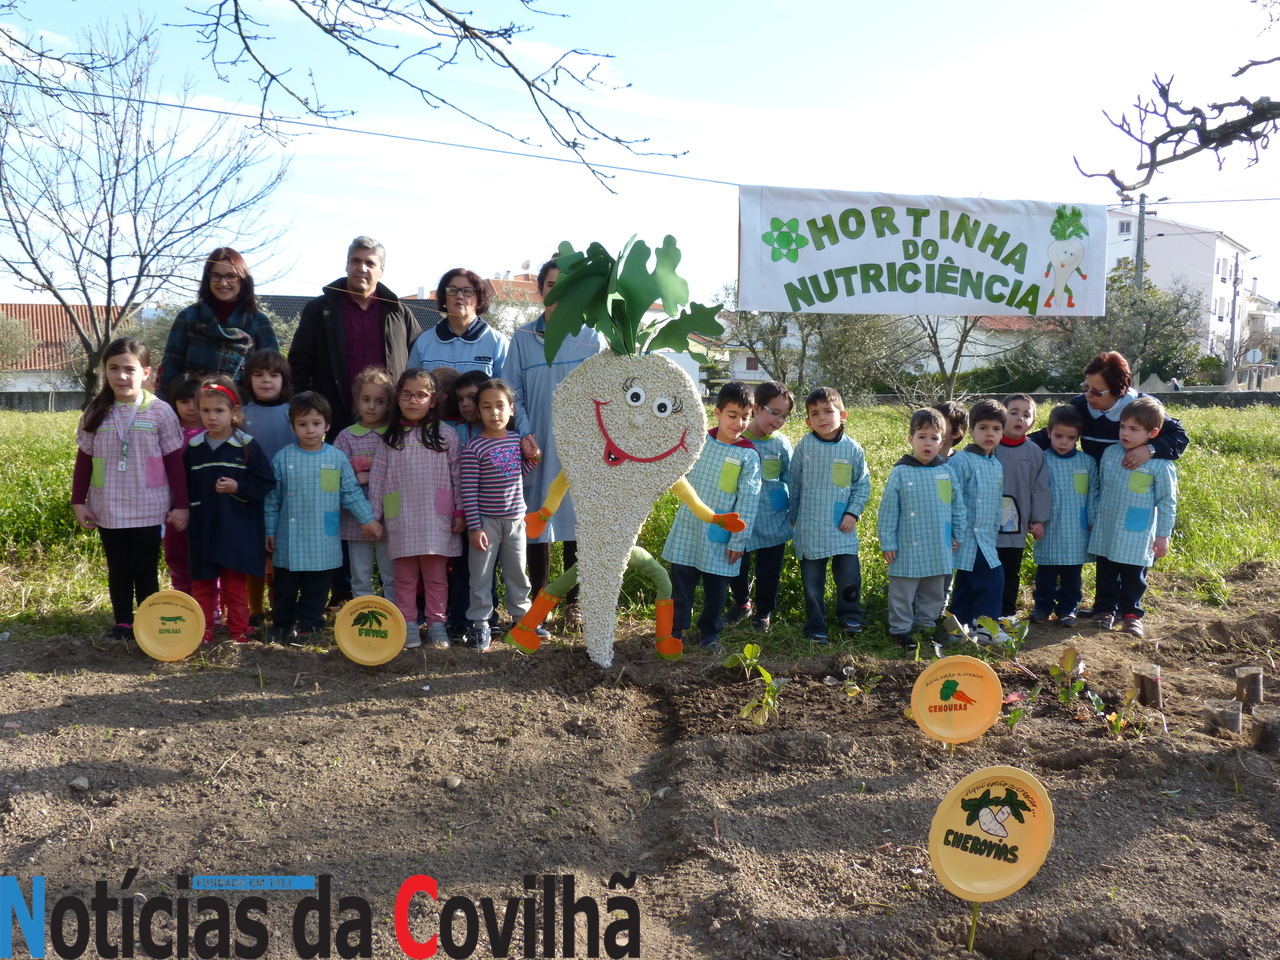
(461, 340)
(768, 537)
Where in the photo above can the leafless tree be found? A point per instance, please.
(1170, 130)
(105, 202)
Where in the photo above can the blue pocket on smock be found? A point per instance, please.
(1084, 517)
(717, 534)
(778, 499)
(837, 512)
(331, 523)
(1137, 518)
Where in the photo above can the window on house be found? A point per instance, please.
(1125, 227)
(753, 363)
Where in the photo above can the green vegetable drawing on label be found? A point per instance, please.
(1065, 252)
(178, 619)
(990, 812)
(368, 618)
(951, 691)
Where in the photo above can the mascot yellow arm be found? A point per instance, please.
(535, 523)
(729, 521)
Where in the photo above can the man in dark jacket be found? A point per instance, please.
(356, 323)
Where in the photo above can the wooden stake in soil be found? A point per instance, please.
(1223, 715)
(1266, 728)
(1249, 684)
(1146, 677)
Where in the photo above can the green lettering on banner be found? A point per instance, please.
(966, 231)
(912, 271)
(1030, 300)
(1017, 258)
(859, 223)
(916, 214)
(871, 274)
(992, 239)
(824, 229)
(989, 289)
(826, 296)
(970, 283)
(798, 294)
(847, 274)
(910, 249)
(882, 221)
(948, 272)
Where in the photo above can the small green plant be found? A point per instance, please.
(1019, 705)
(1068, 673)
(1121, 717)
(764, 706)
(850, 685)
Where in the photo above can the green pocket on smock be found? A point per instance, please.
(944, 490)
(771, 467)
(391, 505)
(330, 479)
(730, 470)
(1140, 482)
(99, 476)
(841, 473)
(1080, 479)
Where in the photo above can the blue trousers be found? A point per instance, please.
(1057, 589)
(1120, 588)
(977, 592)
(715, 590)
(846, 571)
(768, 578)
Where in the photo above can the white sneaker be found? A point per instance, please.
(438, 636)
(413, 638)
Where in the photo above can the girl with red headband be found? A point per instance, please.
(229, 477)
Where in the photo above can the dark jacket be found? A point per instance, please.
(318, 355)
(1101, 432)
(227, 529)
(200, 346)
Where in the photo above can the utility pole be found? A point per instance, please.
(1235, 293)
(1142, 236)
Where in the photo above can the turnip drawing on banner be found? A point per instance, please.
(629, 424)
(1065, 252)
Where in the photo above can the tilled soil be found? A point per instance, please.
(804, 838)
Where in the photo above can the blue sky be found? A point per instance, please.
(982, 99)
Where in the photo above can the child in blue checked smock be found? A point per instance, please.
(979, 580)
(1064, 548)
(1136, 512)
(921, 515)
(313, 482)
(830, 487)
(727, 478)
(768, 536)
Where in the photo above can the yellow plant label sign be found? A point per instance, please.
(991, 834)
(957, 699)
(369, 630)
(168, 625)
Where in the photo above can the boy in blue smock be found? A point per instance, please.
(830, 487)
(1064, 549)
(921, 515)
(1136, 513)
(767, 539)
(727, 478)
(979, 580)
(314, 481)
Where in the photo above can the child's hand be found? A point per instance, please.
(955, 544)
(178, 518)
(459, 525)
(271, 544)
(1161, 547)
(889, 556)
(361, 463)
(84, 516)
(848, 523)
(372, 529)
(226, 485)
(1135, 457)
(478, 540)
(733, 556)
(1036, 530)
(529, 447)
(362, 477)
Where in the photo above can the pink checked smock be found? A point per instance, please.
(138, 496)
(411, 491)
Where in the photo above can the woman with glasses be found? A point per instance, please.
(216, 333)
(1108, 389)
(461, 340)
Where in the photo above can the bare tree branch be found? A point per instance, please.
(103, 206)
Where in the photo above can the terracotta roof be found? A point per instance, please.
(51, 328)
(1007, 323)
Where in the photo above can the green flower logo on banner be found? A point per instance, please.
(785, 238)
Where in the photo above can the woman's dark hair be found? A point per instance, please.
(482, 292)
(272, 361)
(430, 424)
(544, 270)
(99, 405)
(247, 302)
(1114, 369)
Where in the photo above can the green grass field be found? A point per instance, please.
(53, 577)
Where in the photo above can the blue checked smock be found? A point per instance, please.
(303, 509)
(921, 511)
(534, 383)
(981, 482)
(1134, 507)
(828, 480)
(1074, 482)
(727, 478)
(773, 522)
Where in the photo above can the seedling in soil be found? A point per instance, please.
(1019, 705)
(1119, 718)
(765, 705)
(1068, 673)
(748, 659)
(850, 685)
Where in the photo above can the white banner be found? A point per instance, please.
(828, 251)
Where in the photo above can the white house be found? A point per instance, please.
(1208, 261)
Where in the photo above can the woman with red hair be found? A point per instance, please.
(1108, 389)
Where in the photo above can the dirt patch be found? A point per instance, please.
(805, 838)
